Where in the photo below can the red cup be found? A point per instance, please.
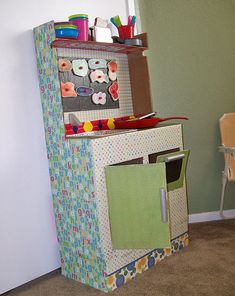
(126, 32)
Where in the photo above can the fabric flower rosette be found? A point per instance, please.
(112, 67)
(113, 90)
(67, 89)
(99, 76)
(99, 98)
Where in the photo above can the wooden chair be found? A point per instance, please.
(227, 133)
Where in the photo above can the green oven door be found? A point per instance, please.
(176, 164)
(138, 206)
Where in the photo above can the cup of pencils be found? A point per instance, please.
(124, 31)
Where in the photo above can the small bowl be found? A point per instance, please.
(66, 33)
(65, 27)
(62, 23)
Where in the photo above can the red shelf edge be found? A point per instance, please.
(59, 43)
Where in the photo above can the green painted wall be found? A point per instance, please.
(192, 70)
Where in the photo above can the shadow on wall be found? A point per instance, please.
(24, 141)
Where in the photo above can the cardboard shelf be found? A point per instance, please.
(99, 46)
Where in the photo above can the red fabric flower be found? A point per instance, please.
(113, 90)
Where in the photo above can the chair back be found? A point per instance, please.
(227, 133)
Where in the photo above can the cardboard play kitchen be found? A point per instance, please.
(119, 192)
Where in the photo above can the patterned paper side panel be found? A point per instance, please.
(81, 248)
(128, 272)
(70, 169)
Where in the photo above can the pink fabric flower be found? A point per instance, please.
(99, 76)
(112, 65)
(67, 89)
(64, 65)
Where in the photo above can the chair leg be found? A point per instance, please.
(224, 183)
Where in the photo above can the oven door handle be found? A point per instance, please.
(175, 157)
(163, 202)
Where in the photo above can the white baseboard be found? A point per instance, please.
(211, 216)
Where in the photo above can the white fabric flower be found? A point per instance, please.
(99, 76)
(99, 98)
(80, 67)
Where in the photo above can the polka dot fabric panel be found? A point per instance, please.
(178, 212)
(124, 147)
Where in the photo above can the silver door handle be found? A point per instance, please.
(175, 157)
(163, 202)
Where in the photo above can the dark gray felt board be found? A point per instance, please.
(79, 103)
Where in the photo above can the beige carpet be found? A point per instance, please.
(205, 267)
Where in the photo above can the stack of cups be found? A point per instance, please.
(81, 22)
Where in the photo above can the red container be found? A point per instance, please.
(126, 32)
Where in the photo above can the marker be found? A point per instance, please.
(133, 20)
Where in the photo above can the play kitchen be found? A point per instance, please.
(117, 174)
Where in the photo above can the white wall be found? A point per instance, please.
(28, 244)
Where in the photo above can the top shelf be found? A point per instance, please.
(100, 46)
